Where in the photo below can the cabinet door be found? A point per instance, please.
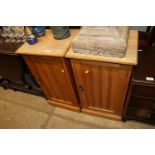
(56, 80)
(102, 87)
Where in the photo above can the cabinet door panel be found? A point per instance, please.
(54, 78)
(104, 85)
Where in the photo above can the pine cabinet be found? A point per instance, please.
(102, 87)
(51, 70)
(93, 84)
(102, 82)
(56, 79)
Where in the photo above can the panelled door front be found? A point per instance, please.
(54, 77)
(102, 87)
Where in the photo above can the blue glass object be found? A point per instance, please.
(31, 39)
(38, 31)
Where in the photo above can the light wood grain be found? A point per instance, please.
(100, 85)
(129, 59)
(54, 76)
(48, 46)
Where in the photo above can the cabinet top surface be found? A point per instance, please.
(48, 46)
(129, 59)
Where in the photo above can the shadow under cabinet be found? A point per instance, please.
(14, 73)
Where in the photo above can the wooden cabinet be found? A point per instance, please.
(141, 99)
(95, 84)
(102, 87)
(51, 70)
(102, 81)
(56, 79)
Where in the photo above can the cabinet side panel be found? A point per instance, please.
(120, 83)
(79, 81)
(72, 92)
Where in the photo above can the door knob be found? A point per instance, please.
(87, 71)
(80, 88)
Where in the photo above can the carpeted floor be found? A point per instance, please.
(22, 110)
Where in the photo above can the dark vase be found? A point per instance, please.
(60, 32)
